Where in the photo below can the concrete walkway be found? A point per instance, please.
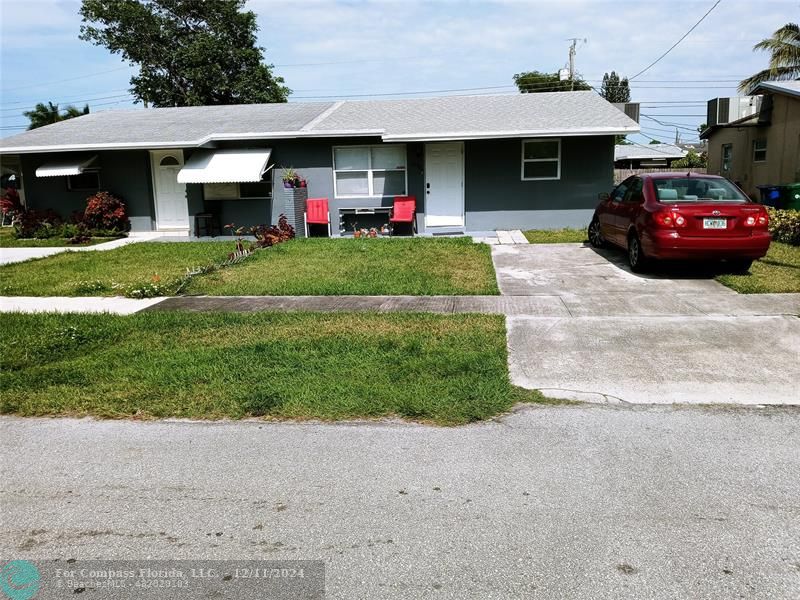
(563, 306)
(505, 237)
(14, 255)
(113, 305)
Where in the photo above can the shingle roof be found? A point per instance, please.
(785, 87)
(451, 117)
(650, 151)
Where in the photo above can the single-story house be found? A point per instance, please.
(755, 140)
(474, 163)
(639, 156)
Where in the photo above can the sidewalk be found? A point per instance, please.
(551, 305)
(15, 255)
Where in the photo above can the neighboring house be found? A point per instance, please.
(475, 163)
(650, 156)
(755, 140)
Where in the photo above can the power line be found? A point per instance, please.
(43, 83)
(683, 37)
(66, 102)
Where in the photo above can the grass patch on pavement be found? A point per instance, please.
(777, 272)
(7, 240)
(322, 267)
(556, 236)
(443, 369)
(110, 272)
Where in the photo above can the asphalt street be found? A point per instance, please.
(571, 502)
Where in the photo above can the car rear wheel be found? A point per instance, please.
(740, 266)
(595, 237)
(636, 257)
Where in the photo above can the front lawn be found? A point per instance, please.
(108, 273)
(777, 272)
(7, 240)
(421, 266)
(556, 236)
(445, 369)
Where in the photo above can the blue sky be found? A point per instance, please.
(337, 49)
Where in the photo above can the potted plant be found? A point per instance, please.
(292, 179)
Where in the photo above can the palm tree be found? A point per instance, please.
(784, 62)
(47, 114)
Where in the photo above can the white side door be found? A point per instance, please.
(172, 209)
(444, 184)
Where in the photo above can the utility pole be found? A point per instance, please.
(572, 48)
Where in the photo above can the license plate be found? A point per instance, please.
(715, 224)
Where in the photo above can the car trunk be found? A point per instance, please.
(715, 219)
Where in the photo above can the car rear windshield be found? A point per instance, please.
(697, 189)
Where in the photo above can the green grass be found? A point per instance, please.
(109, 272)
(556, 236)
(7, 240)
(421, 266)
(777, 272)
(444, 369)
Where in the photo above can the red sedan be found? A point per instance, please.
(683, 217)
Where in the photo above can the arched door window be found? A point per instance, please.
(169, 161)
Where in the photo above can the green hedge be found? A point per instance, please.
(784, 225)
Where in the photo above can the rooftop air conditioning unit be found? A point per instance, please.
(722, 111)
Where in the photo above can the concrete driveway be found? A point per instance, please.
(662, 338)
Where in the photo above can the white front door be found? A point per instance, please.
(444, 184)
(172, 210)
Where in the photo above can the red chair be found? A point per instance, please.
(404, 211)
(317, 213)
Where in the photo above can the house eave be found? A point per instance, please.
(484, 135)
(158, 145)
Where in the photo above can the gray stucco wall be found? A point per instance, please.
(313, 159)
(495, 197)
(125, 174)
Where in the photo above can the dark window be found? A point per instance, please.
(259, 189)
(759, 150)
(86, 181)
(634, 193)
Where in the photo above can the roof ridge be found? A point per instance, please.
(322, 116)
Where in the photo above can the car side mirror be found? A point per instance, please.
(603, 196)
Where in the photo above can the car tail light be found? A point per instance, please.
(760, 220)
(669, 219)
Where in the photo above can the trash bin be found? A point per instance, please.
(771, 195)
(790, 196)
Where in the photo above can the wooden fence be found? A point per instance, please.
(622, 174)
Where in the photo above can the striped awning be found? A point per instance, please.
(74, 165)
(225, 166)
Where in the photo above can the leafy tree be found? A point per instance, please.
(615, 89)
(702, 127)
(47, 114)
(188, 53)
(784, 62)
(531, 82)
(691, 160)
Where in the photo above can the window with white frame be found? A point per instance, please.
(759, 150)
(541, 159)
(727, 157)
(364, 171)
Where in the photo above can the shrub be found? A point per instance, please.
(269, 235)
(784, 225)
(10, 204)
(106, 211)
(34, 223)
